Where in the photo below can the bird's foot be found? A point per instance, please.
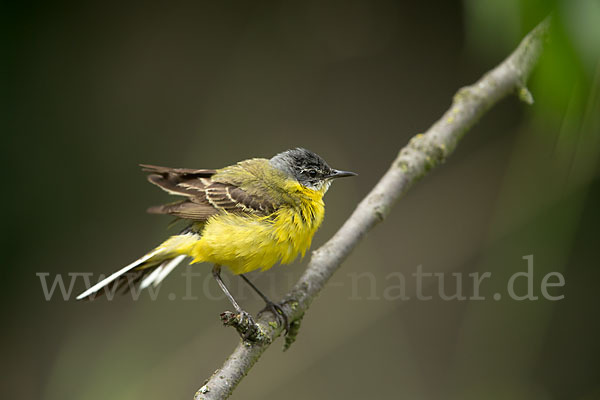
(279, 314)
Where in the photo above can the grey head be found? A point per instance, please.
(308, 168)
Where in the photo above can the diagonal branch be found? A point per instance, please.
(423, 152)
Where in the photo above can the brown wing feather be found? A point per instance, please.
(204, 197)
(185, 209)
(177, 171)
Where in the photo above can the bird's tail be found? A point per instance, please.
(150, 269)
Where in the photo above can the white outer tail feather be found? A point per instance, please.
(170, 246)
(150, 278)
(115, 275)
(161, 272)
(166, 270)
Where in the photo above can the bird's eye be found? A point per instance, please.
(312, 173)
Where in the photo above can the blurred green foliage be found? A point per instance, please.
(569, 66)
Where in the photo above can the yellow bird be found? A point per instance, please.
(246, 216)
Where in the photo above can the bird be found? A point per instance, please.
(247, 216)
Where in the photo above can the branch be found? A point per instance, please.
(423, 152)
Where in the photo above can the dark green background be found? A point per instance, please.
(94, 88)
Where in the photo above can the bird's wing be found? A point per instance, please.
(204, 197)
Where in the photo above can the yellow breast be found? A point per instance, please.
(248, 242)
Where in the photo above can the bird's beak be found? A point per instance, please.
(340, 174)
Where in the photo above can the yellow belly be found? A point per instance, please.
(246, 243)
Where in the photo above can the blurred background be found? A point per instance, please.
(92, 89)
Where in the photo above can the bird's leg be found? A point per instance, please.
(245, 317)
(271, 306)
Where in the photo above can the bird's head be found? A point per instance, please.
(309, 169)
